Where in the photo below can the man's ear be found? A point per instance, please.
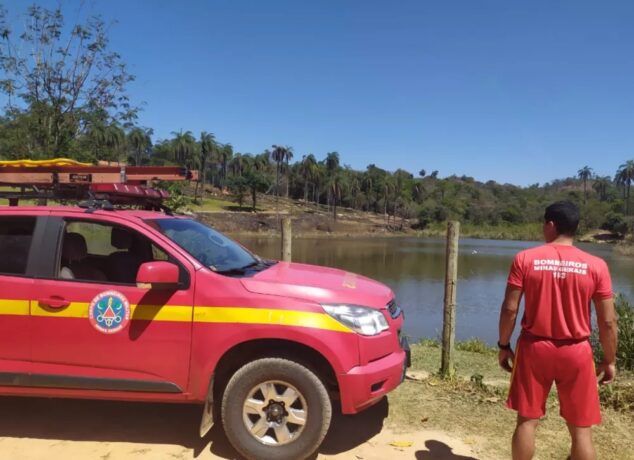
(550, 230)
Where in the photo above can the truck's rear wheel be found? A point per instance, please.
(275, 408)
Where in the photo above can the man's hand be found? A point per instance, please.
(607, 372)
(506, 358)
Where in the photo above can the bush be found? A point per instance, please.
(625, 351)
(177, 200)
(615, 222)
(474, 345)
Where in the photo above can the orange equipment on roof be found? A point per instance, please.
(67, 179)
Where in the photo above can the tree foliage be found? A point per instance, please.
(60, 82)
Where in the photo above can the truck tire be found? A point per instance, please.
(274, 408)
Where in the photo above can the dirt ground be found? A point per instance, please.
(34, 428)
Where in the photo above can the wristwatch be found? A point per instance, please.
(504, 347)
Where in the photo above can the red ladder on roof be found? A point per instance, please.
(68, 180)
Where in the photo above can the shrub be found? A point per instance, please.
(625, 351)
(474, 345)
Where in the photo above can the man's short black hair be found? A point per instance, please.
(565, 216)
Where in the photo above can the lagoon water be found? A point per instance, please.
(414, 269)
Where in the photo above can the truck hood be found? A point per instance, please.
(319, 284)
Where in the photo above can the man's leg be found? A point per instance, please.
(582, 448)
(524, 438)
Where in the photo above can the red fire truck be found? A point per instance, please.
(117, 298)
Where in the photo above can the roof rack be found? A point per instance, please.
(67, 180)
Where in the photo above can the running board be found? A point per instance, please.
(72, 382)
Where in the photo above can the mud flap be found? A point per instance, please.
(207, 420)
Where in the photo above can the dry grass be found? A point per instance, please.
(473, 409)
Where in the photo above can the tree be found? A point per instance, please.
(226, 154)
(139, 140)
(601, 186)
(422, 173)
(584, 174)
(239, 188)
(207, 150)
(624, 177)
(336, 185)
(280, 154)
(307, 169)
(184, 148)
(288, 156)
(67, 76)
(256, 181)
(237, 164)
(332, 162)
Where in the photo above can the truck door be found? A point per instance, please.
(16, 285)
(93, 328)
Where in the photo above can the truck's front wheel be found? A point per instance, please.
(275, 408)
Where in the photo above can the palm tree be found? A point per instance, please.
(226, 153)
(584, 174)
(237, 164)
(261, 162)
(318, 180)
(307, 170)
(601, 186)
(336, 185)
(207, 150)
(97, 135)
(139, 140)
(114, 137)
(288, 156)
(184, 148)
(332, 162)
(388, 187)
(278, 155)
(625, 177)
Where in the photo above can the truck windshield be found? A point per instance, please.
(208, 246)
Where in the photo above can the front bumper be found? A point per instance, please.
(363, 386)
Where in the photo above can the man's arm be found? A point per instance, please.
(608, 331)
(508, 317)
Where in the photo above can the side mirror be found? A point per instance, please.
(157, 275)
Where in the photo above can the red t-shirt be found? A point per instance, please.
(559, 281)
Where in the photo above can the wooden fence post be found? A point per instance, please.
(447, 368)
(287, 239)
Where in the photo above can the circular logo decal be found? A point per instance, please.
(109, 312)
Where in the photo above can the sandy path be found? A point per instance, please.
(34, 429)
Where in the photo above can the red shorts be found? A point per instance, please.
(539, 363)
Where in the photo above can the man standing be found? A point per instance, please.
(558, 281)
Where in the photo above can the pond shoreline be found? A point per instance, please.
(310, 225)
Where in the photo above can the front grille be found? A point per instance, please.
(394, 309)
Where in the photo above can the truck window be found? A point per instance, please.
(16, 234)
(98, 251)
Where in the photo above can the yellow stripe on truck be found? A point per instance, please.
(267, 316)
(221, 315)
(142, 312)
(14, 307)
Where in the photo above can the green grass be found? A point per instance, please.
(213, 205)
(475, 345)
(471, 407)
(526, 232)
(221, 205)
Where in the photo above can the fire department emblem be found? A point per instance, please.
(109, 312)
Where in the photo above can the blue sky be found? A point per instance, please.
(519, 92)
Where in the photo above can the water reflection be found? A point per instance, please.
(414, 269)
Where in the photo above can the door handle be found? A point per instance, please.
(54, 302)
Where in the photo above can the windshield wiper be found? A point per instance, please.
(257, 265)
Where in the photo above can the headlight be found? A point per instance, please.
(363, 320)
